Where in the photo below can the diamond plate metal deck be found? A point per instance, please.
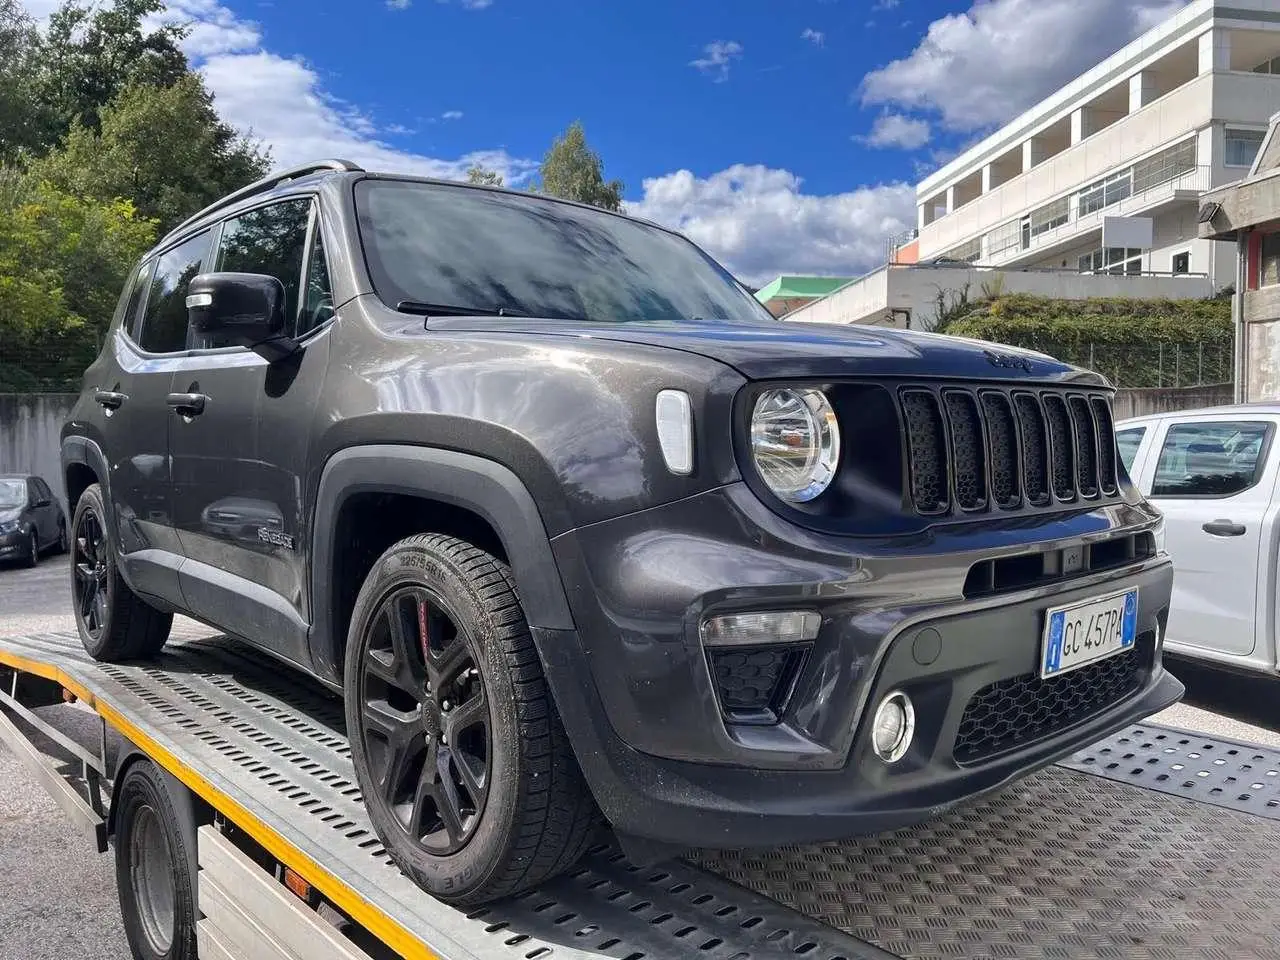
(275, 742)
(1226, 773)
(1061, 865)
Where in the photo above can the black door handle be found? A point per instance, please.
(110, 399)
(187, 404)
(1224, 528)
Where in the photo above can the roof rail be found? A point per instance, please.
(261, 186)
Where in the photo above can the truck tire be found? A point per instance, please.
(465, 767)
(114, 623)
(157, 900)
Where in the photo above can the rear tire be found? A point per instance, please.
(157, 902)
(114, 623)
(466, 770)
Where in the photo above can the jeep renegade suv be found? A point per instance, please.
(576, 528)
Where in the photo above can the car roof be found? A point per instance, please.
(1269, 407)
(304, 179)
(15, 476)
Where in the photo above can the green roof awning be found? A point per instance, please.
(785, 288)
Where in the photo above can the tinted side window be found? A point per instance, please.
(268, 240)
(1214, 459)
(317, 301)
(1128, 441)
(164, 325)
(135, 290)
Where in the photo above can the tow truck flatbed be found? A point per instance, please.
(1157, 843)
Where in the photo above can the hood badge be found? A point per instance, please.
(1009, 361)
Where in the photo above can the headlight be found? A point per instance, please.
(8, 526)
(795, 442)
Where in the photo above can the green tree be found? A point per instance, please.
(26, 121)
(165, 148)
(572, 170)
(91, 52)
(63, 262)
(484, 176)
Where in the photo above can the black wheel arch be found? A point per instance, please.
(479, 486)
(83, 464)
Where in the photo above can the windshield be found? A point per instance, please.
(526, 256)
(13, 493)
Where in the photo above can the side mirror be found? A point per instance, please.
(42, 502)
(240, 309)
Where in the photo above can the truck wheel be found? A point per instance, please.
(157, 902)
(464, 765)
(114, 623)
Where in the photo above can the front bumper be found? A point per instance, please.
(645, 715)
(13, 544)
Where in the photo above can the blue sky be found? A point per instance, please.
(783, 135)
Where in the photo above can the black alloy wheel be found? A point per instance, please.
(426, 722)
(92, 587)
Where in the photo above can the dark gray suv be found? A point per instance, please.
(576, 528)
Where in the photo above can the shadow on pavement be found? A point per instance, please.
(1248, 698)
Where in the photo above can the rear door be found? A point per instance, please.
(1213, 476)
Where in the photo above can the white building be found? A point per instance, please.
(1178, 111)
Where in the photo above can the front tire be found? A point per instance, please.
(33, 548)
(157, 902)
(464, 765)
(114, 623)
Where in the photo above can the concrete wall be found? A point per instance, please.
(916, 289)
(1139, 403)
(30, 431)
(1262, 344)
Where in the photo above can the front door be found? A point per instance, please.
(239, 461)
(1213, 479)
(130, 419)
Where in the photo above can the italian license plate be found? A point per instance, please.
(1088, 631)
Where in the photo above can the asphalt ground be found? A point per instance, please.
(58, 895)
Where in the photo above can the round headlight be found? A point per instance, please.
(795, 442)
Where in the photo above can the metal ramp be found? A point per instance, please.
(1063, 864)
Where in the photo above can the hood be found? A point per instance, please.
(10, 513)
(801, 350)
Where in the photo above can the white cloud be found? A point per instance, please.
(476, 4)
(717, 58)
(283, 102)
(885, 4)
(984, 66)
(896, 130)
(758, 222)
(816, 37)
(399, 4)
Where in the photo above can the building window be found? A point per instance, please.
(1268, 66)
(1269, 271)
(1113, 260)
(1181, 263)
(1242, 147)
(968, 252)
(1002, 238)
(1104, 193)
(1164, 166)
(1049, 216)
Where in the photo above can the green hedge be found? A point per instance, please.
(1136, 343)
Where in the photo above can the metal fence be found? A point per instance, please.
(1152, 365)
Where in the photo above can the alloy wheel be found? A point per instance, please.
(91, 570)
(425, 719)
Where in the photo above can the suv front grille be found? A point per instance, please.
(1021, 710)
(984, 449)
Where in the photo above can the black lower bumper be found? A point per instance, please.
(996, 648)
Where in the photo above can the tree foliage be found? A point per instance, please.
(484, 176)
(572, 170)
(63, 262)
(202, 158)
(26, 121)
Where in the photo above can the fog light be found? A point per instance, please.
(744, 629)
(893, 727)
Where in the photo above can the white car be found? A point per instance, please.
(1213, 473)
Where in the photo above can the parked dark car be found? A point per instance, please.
(577, 528)
(32, 520)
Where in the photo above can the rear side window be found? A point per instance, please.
(164, 323)
(1127, 442)
(134, 292)
(1211, 459)
(270, 240)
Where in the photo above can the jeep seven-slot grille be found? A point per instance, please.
(997, 449)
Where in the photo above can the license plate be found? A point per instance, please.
(1088, 631)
